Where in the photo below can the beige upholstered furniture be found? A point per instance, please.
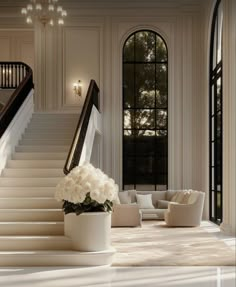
(126, 215)
(186, 214)
(177, 207)
(160, 200)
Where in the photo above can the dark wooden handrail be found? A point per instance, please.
(21, 79)
(92, 98)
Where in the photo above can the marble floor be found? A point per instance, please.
(114, 277)
(200, 276)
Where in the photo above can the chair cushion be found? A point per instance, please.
(193, 197)
(156, 195)
(144, 201)
(186, 196)
(170, 193)
(149, 210)
(162, 204)
(124, 197)
(178, 197)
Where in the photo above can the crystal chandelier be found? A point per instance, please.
(46, 11)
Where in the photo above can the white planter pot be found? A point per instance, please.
(89, 231)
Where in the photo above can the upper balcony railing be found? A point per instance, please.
(19, 77)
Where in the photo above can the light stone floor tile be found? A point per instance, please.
(117, 277)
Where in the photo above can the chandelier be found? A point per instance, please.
(46, 11)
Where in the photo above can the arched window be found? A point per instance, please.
(145, 111)
(216, 191)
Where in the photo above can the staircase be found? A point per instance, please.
(31, 220)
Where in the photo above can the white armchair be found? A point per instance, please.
(126, 215)
(189, 214)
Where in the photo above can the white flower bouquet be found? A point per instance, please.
(86, 189)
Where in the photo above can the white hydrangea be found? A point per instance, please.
(86, 180)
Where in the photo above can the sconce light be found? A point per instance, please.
(77, 87)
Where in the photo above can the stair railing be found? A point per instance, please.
(91, 100)
(17, 76)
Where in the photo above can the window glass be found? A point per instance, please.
(145, 111)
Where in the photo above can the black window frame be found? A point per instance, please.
(154, 182)
(215, 124)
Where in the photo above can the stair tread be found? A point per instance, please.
(33, 222)
(30, 209)
(35, 169)
(27, 187)
(25, 178)
(28, 197)
(40, 153)
(56, 252)
(59, 145)
(37, 160)
(57, 237)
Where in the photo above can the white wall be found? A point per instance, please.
(14, 131)
(17, 45)
(229, 118)
(90, 46)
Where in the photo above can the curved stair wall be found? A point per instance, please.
(13, 133)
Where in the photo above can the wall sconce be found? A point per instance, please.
(77, 87)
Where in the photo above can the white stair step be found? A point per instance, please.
(55, 258)
(54, 124)
(46, 132)
(57, 113)
(15, 243)
(48, 182)
(36, 164)
(39, 155)
(51, 117)
(29, 191)
(50, 136)
(39, 128)
(54, 121)
(32, 228)
(48, 117)
(36, 172)
(45, 142)
(18, 215)
(45, 148)
(29, 202)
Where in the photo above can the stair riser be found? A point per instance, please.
(57, 259)
(31, 229)
(44, 149)
(14, 192)
(54, 119)
(51, 120)
(18, 216)
(39, 156)
(48, 131)
(40, 182)
(34, 244)
(45, 142)
(50, 137)
(24, 203)
(11, 172)
(53, 126)
(36, 164)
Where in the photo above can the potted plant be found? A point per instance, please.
(87, 195)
